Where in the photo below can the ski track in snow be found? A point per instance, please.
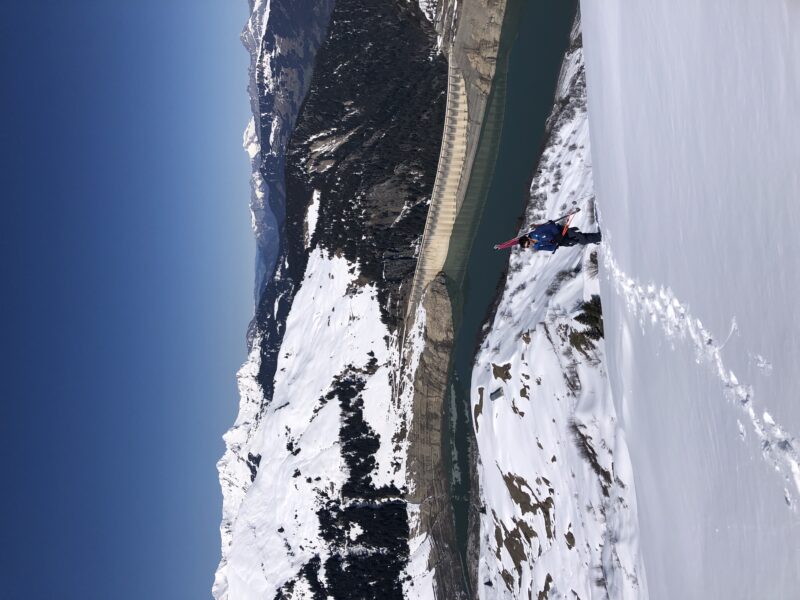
(658, 305)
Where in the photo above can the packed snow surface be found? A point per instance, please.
(695, 129)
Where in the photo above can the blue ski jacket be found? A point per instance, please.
(546, 237)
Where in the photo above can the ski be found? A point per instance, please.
(567, 224)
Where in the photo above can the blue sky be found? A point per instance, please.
(127, 275)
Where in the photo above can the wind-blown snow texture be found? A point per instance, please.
(559, 507)
(695, 129)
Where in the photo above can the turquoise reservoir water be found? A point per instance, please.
(534, 39)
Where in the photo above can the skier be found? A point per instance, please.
(549, 236)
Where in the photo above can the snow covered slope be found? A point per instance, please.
(695, 129)
(558, 515)
(325, 494)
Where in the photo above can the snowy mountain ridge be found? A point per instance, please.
(278, 96)
(305, 477)
(312, 502)
(282, 43)
(618, 444)
(314, 475)
(559, 513)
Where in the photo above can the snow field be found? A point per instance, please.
(693, 115)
